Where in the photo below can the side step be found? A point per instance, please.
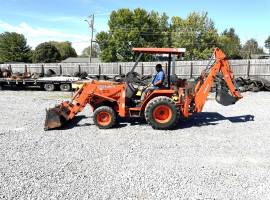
(135, 112)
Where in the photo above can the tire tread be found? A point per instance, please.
(159, 100)
(106, 109)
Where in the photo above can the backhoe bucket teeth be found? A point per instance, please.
(54, 119)
(223, 97)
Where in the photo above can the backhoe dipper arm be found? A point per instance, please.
(207, 78)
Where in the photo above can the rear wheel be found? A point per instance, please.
(105, 117)
(162, 113)
(49, 87)
(65, 87)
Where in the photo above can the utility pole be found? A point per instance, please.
(90, 21)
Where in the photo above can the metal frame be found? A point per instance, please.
(169, 51)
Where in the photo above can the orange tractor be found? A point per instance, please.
(161, 108)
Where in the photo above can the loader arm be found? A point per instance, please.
(79, 100)
(92, 93)
(206, 81)
(65, 111)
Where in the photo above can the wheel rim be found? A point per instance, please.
(65, 87)
(162, 114)
(104, 118)
(49, 86)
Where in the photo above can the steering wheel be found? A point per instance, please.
(133, 78)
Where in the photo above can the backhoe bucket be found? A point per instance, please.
(223, 96)
(54, 119)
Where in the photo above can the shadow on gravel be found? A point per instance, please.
(123, 122)
(197, 119)
(74, 123)
(211, 118)
(132, 121)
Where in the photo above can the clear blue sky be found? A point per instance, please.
(43, 20)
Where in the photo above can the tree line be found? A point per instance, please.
(14, 48)
(197, 33)
(138, 28)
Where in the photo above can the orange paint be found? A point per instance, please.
(104, 118)
(162, 114)
(113, 94)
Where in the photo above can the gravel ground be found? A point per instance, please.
(223, 153)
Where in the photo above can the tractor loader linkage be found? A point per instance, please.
(161, 108)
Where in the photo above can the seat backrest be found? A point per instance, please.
(130, 91)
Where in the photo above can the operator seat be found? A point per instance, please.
(130, 91)
(130, 94)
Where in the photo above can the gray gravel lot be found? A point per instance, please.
(219, 154)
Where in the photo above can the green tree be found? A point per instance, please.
(267, 44)
(251, 47)
(14, 48)
(131, 28)
(95, 51)
(65, 49)
(196, 33)
(230, 43)
(107, 47)
(46, 53)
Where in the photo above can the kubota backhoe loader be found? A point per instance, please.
(161, 108)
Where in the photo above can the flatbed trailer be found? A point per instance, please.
(62, 83)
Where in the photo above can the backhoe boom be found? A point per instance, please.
(205, 84)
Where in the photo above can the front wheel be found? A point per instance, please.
(105, 117)
(162, 113)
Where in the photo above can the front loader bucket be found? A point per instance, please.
(54, 119)
(223, 96)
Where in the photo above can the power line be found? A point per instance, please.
(150, 28)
